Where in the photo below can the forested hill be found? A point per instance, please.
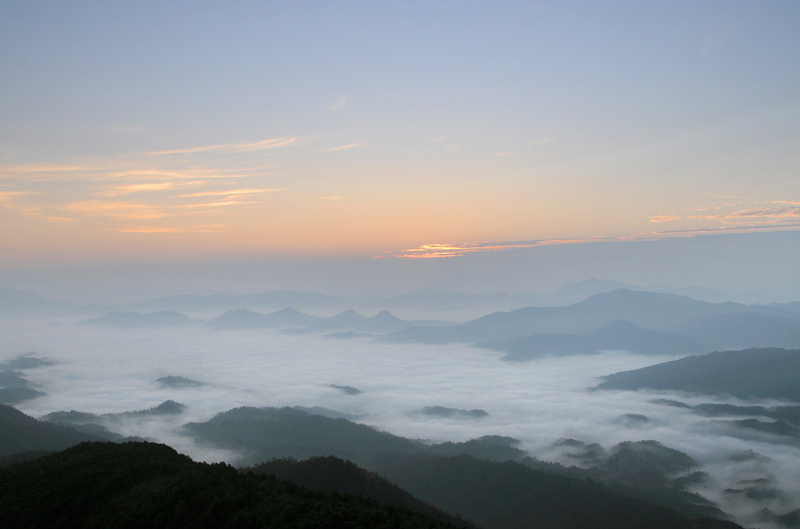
(20, 433)
(331, 474)
(145, 485)
(752, 373)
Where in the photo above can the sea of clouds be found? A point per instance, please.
(102, 370)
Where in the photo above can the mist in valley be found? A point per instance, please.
(392, 387)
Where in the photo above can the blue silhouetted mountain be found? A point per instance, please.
(219, 302)
(581, 290)
(352, 321)
(178, 382)
(15, 389)
(438, 300)
(650, 311)
(26, 361)
(752, 373)
(19, 303)
(452, 413)
(247, 319)
(20, 433)
(94, 424)
(267, 433)
(620, 335)
(132, 320)
(742, 330)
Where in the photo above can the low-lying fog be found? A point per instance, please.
(105, 370)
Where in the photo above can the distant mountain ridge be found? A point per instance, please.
(131, 320)
(244, 318)
(654, 320)
(751, 373)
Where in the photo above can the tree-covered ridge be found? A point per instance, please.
(21, 433)
(268, 433)
(331, 474)
(760, 373)
(132, 485)
(511, 495)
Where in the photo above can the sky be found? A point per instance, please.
(149, 131)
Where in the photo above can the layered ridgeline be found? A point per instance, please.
(748, 374)
(487, 480)
(105, 485)
(630, 320)
(637, 321)
(14, 387)
(751, 373)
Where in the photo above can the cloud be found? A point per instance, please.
(506, 154)
(351, 145)
(339, 104)
(11, 195)
(231, 192)
(333, 197)
(217, 204)
(136, 188)
(440, 138)
(271, 143)
(731, 228)
(784, 212)
(37, 168)
(439, 251)
(664, 218)
(216, 228)
(125, 210)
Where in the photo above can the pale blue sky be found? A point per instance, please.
(368, 128)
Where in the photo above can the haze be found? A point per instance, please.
(443, 161)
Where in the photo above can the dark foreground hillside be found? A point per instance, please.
(132, 485)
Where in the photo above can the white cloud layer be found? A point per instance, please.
(104, 371)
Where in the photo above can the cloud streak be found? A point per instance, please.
(340, 103)
(440, 251)
(271, 143)
(351, 145)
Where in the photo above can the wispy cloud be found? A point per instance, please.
(775, 212)
(231, 192)
(733, 228)
(439, 251)
(271, 143)
(351, 145)
(440, 138)
(215, 228)
(11, 195)
(192, 182)
(340, 103)
(125, 210)
(217, 204)
(333, 197)
(136, 188)
(664, 218)
(506, 153)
